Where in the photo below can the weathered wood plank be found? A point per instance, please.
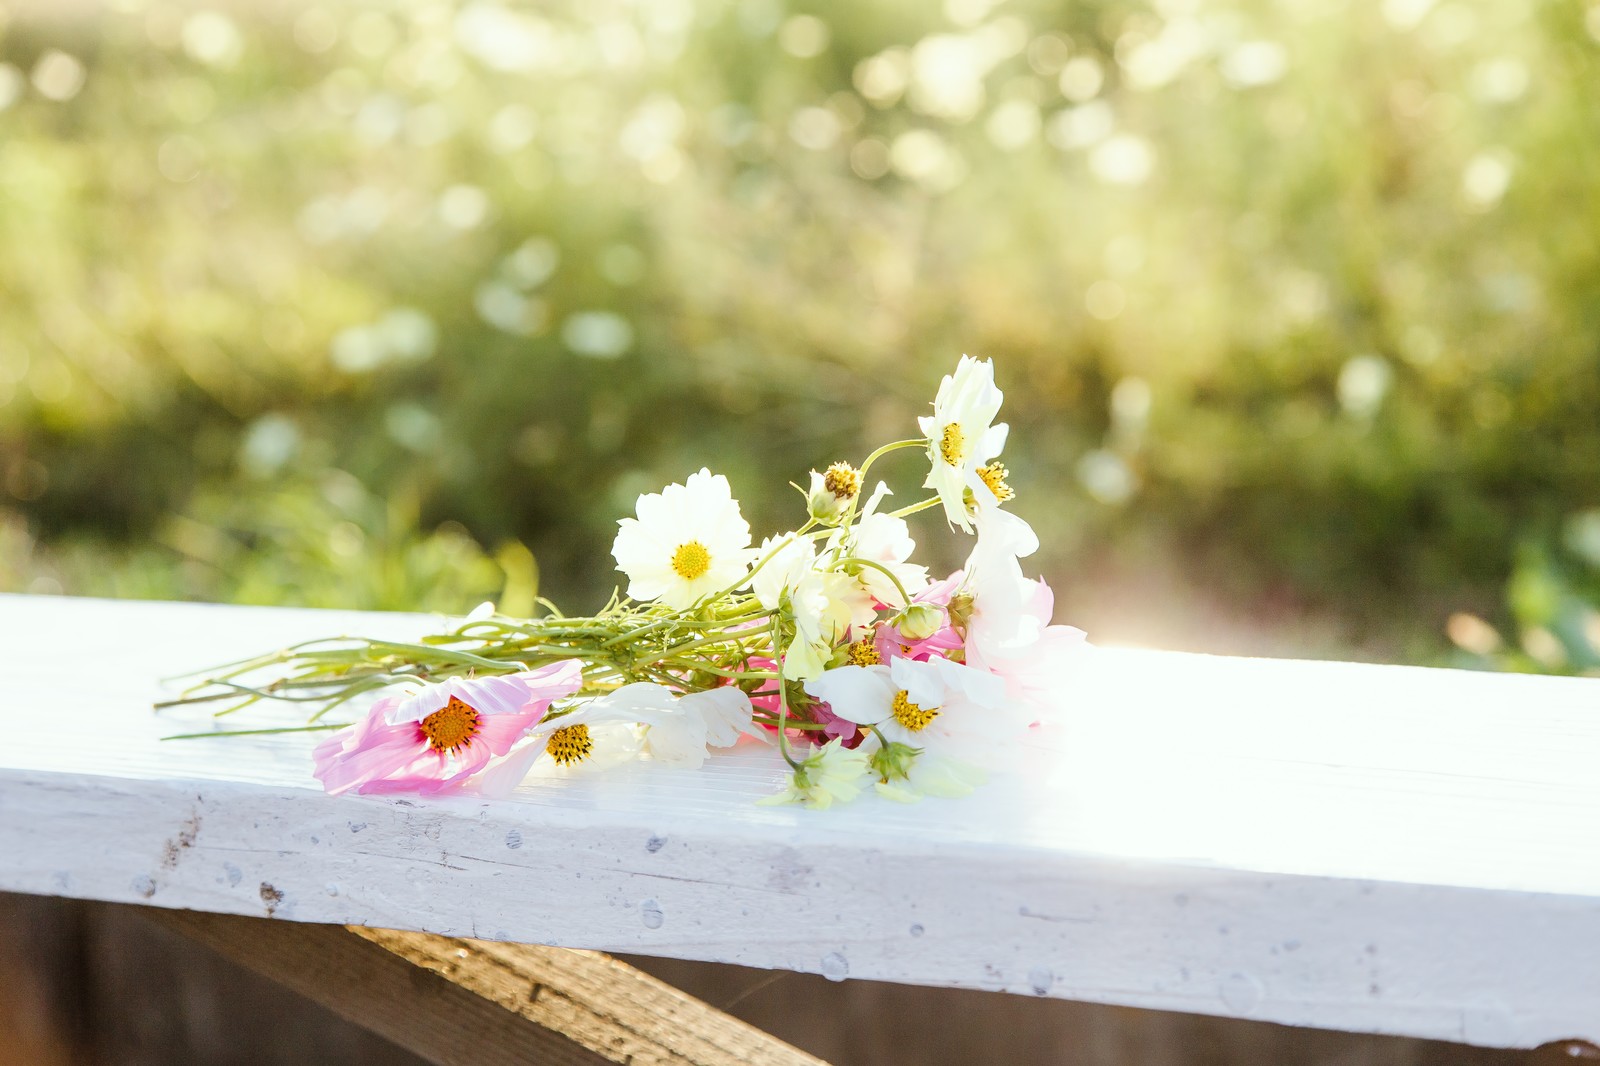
(1375, 849)
(458, 1002)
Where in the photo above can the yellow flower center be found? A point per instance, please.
(843, 480)
(690, 560)
(911, 716)
(953, 445)
(864, 653)
(451, 726)
(570, 744)
(994, 475)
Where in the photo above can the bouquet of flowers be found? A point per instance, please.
(828, 642)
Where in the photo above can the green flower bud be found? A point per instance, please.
(919, 621)
(961, 610)
(893, 761)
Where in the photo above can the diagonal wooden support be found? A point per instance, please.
(478, 1003)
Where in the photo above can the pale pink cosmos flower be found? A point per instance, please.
(1008, 631)
(434, 739)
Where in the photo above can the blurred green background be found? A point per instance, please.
(1296, 304)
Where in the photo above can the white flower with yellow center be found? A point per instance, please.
(938, 706)
(961, 440)
(641, 719)
(689, 541)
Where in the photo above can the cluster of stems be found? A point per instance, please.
(726, 638)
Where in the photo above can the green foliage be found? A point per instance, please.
(1552, 604)
(1306, 294)
(323, 542)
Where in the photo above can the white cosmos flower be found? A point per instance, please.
(689, 541)
(885, 540)
(940, 706)
(784, 571)
(961, 438)
(678, 729)
(824, 605)
(831, 492)
(561, 746)
(637, 719)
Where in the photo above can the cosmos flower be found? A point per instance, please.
(832, 491)
(777, 578)
(962, 440)
(1007, 617)
(641, 719)
(934, 704)
(688, 541)
(435, 739)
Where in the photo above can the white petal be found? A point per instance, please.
(991, 444)
(981, 688)
(860, 694)
(923, 684)
(726, 712)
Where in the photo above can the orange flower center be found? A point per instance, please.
(451, 726)
(570, 744)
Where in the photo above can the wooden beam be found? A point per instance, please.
(1366, 848)
(462, 1002)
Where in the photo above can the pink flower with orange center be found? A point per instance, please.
(435, 739)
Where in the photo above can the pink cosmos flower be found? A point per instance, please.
(1009, 632)
(434, 739)
(1032, 668)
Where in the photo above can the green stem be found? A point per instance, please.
(905, 597)
(850, 513)
(921, 442)
(783, 700)
(259, 732)
(720, 671)
(932, 501)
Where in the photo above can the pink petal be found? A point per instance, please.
(384, 755)
(374, 756)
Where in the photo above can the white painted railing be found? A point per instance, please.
(1374, 849)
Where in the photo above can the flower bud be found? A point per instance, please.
(831, 492)
(961, 609)
(893, 761)
(919, 621)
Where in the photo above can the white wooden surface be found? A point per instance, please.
(1374, 849)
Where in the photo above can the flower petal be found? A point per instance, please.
(860, 694)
